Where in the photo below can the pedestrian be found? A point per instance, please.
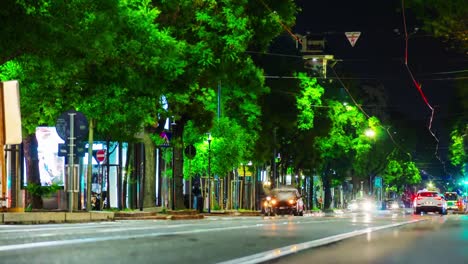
(196, 193)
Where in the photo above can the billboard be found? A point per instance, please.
(51, 166)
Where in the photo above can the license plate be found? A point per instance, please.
(428, 203)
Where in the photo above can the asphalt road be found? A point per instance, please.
(234, 239)
(435, 240)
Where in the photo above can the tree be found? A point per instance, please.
(457, 149)
(216, 35)
(399, 173)
(104, 64)
(345, 139)
(445, 19)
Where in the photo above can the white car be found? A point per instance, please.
(429, 201)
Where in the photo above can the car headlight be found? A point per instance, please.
(292, 201)
(273, 201)
(268, 198)
(367, 206)
(265, 204)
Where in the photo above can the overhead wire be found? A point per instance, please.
(419, 86)
(281, 22)
(366, 114)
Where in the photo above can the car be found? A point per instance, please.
(394, 204)
(362, 205)
(429, 201)
(286, 201)
(452, 200)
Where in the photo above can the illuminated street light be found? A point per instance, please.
(370, 133)
(430, 185)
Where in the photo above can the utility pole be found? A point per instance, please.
(313, 53)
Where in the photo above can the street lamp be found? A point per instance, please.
(209, 172)
(172, 128)
(370, 133)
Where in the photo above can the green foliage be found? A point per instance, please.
(346, 132)
(44, 191)
(445, 19)
(458, 156)
(398, 174)
(104, 64)
(231, 145)
(310, 98)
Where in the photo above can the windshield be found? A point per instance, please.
(284, 194)
(451, 196)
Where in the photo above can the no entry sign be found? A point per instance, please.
(101, 155)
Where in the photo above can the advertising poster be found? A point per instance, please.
(51, 166)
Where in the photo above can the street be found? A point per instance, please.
(380, 237)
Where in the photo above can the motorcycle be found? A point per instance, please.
(269, 206)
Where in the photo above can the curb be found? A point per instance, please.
(54, 217)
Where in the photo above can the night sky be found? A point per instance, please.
(379, 56)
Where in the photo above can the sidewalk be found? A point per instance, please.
(82, 217)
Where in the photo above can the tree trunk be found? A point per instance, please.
(131, 176)
(327, 188)
(149, 186)
(178, 144)
(120, 196)
(125, 179)
(32, 169)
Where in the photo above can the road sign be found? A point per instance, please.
(378, 182)
(190, 151)
(101, 155)
(80, 125)
(79, 149)
(352, 37)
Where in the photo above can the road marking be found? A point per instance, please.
(281, 252)
(148, 235)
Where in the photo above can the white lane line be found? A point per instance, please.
(124, 237)
(110, 238)
(280, 252)
(116, 228)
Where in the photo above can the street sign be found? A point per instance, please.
(80, 125)
(352, 37)
(190, 151)
(378, 182)
(101, 155)
(79, 149)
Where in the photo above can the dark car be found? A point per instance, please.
(287, 201)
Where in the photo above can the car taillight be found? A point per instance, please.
(419, 198)
(438, 198)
